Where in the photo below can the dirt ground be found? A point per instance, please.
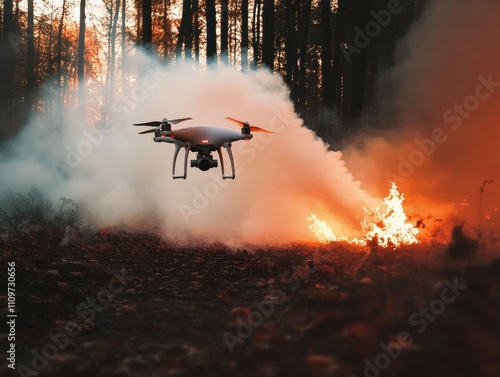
(122, 304)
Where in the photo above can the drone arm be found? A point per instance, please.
(174, 162)
(227, 145)
(219, 152)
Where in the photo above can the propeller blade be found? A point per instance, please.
(258, 129)
(150, 124)
(252, 128)
(156, 123)
(242, 124)
(148, 131)
(175, 121)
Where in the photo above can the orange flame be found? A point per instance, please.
(321, 230)
(386, 225)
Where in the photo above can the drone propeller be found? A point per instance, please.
(247, 125)
(156, 123)
(150, 124)
(148, 131)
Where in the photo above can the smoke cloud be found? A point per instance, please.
(123, 179)
(445, 144)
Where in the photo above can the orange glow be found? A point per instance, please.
(386, 225)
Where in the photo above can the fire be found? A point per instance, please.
(321, 230)
(386, 225)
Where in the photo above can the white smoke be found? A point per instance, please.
(120, 178)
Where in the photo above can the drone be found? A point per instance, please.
(200, 139)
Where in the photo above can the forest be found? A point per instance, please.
(328, 52)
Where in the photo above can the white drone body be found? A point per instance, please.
(200, 139)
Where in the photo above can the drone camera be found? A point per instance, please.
(204, 162)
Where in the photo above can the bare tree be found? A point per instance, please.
(196, 29)
(59, 49)
(268, 34)
(123, 46)
(113, 8)
(30, 66)
(354, 73)
(8, 46)
(147, 25)
(338, 59)
(81, 59)
(304, 22)
(224, 30)
(184, 37)
(256, 29)
(211, 30)
(244, 35)
(326, 54)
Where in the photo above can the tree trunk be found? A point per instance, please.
(256, 31)
(305, 19)
(224, 30)
(81, 59)
(30, 66)
(326, 126)
(112, 62)
(291, 48)
(188, 32)
(268, 34)
(338, 59)
(244, 35)
(16, 14)
(123, 46)
(326, 55)
(1, 24)
(354, 72)
(59, 49)
(147, 25)
(9, 46)
(185, 34)
(211, 30)
(196, 30)
(165, 42)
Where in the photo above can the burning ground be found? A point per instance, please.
(113, 303)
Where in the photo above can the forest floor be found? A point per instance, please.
(125, 304)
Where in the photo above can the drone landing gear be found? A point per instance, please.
(178, 147)
(202, 159)
(227, 145)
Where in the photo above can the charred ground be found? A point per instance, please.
(191, 311)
